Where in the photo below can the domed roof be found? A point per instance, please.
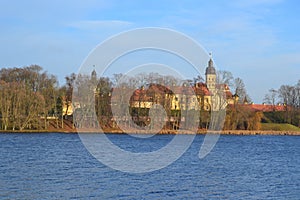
(210, 69)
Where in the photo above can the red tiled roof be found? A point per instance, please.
(182, 90)
(265, 108)
(228, 95)
(226, 89)
(150, 93)
(201, 89)
(147, 94)
(157, 89)
(140, 95)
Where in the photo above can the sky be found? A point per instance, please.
(257, 40)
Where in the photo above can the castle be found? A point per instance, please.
(184, 97)
(174, 98)
(124, 104)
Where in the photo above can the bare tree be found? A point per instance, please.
(240, 90)
(298, 94)
(198, 79)
(288, 96)
(225, 77)
(5, 104)
(70, 82)
(271, 97)
(27, 93)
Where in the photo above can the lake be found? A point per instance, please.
(57, 166)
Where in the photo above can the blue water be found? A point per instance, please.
(57, 166)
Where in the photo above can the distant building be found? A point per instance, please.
(124, 103)
(67, 107)
(200, 96)
(184, 97)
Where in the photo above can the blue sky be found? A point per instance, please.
(257, 40)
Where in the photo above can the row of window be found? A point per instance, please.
(194, 99)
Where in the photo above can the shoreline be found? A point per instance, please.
(162, 132)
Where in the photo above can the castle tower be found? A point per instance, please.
(94, 79)
(210, 76)
(94, 74)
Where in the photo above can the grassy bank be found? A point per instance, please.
(267, 129)
(278, 127)
(292, 131)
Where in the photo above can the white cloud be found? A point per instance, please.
(242, 35)
(96, 24)
(230, 25)
(50, 10)
(252, 3)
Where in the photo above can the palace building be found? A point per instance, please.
(199, 96)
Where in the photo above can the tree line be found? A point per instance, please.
(30, 98)
(289, 96)
(237, 117)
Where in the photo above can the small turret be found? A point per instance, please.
(246, 101)
(94, 74)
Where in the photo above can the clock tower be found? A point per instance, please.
(210, 76)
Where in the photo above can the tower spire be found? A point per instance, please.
(210, 74)
(94, 74)
(210, 62)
